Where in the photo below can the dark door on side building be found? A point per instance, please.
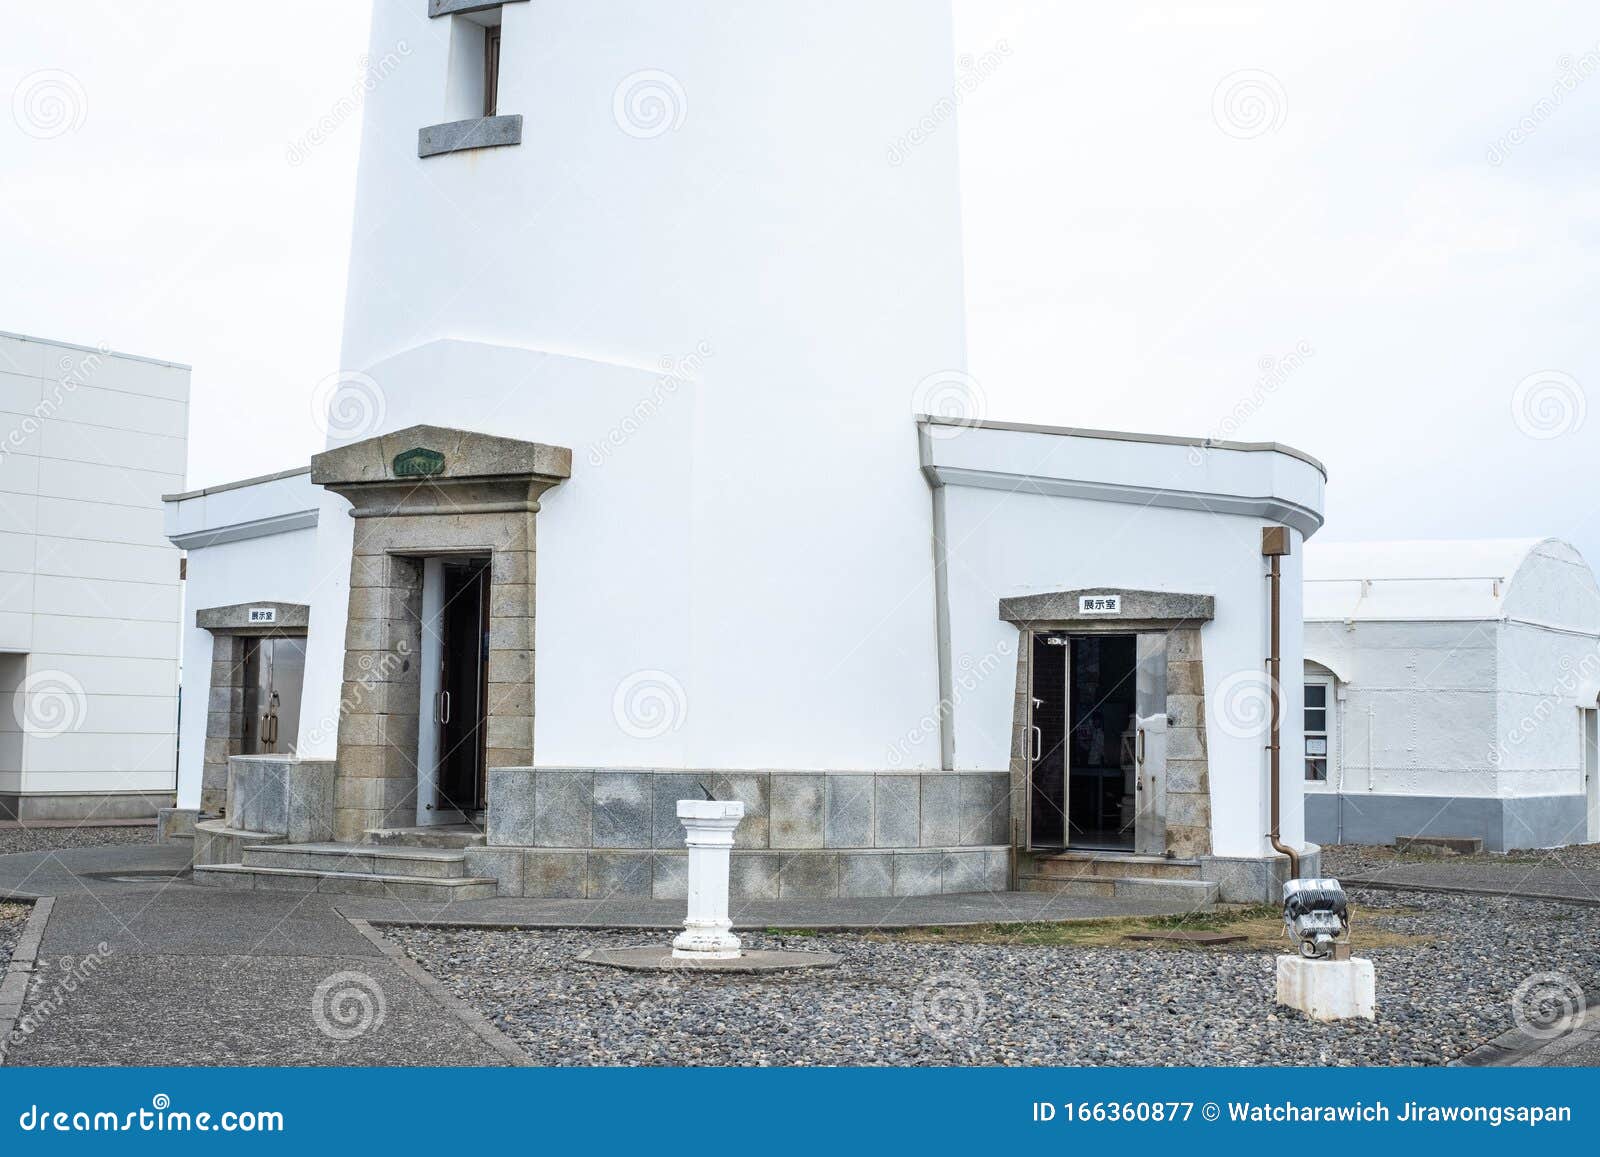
(462, 706)
(1083, 739)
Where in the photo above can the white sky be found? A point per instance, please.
(1136, 254)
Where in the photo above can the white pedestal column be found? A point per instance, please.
(1327, 989)
(708, 831)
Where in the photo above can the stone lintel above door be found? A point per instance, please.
(249, 619)
(1136, 607)
(436, 470)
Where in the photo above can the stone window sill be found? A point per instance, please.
(476, 133)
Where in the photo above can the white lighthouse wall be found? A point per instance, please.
(764, 542)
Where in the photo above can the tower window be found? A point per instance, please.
(491, 69)
(472, 115)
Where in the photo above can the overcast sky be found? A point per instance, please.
(1368, 231)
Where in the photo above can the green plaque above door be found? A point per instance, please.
(418, 463)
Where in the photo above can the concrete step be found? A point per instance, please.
(239, 878)
(216, 843)
(367, 859)
(1070, 865)
(1192, 894)
(445, 836)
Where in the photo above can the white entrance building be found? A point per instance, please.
(1451, 689)
(632, 494)
(89, 585)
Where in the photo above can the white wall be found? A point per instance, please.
(1017, 543)
(1419, 711)
(265, 566)
(1479, 707)
(765, 546)
(89, 588)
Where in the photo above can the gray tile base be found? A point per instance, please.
(816, 874)
(1543, 821)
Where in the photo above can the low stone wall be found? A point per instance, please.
(281, 795)
(784, 810)
(571, 832)
(595, 874)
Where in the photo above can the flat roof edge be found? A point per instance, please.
(104, 351)
(239, 485)
(1127, 436)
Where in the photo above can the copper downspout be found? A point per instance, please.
(1275, 544)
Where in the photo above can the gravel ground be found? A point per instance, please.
(902, 1003)
(13, 917)
(1351, 859)
(60, 839)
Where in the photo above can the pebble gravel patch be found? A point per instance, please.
(60, 839)
(896, 1002)
(13, 919)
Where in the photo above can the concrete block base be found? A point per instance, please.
(176, 823)
(1327, 989)
(85, 806)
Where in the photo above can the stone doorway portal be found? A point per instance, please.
(420, 494)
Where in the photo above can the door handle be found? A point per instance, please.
(1037, 752)
(1140, 755)
(444, 707)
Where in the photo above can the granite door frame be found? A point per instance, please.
(231, 631)
(1179, 619)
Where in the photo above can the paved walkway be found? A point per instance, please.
(192, 975)
(1543, 880)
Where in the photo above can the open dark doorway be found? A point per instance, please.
(1083, 742)
(462, 709)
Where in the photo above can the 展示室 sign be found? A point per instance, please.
(1099, 604)
(260, 615)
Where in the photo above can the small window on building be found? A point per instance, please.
(1316, 729)
(491, 70)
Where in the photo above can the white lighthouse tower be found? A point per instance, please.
(653, 474)
(694, 263)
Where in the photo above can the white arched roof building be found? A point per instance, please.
(1458, 684)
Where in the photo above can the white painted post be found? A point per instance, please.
(708, 832)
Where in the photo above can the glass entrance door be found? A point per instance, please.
(274, 674)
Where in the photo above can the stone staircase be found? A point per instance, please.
(390, 867)
(1114, 875)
